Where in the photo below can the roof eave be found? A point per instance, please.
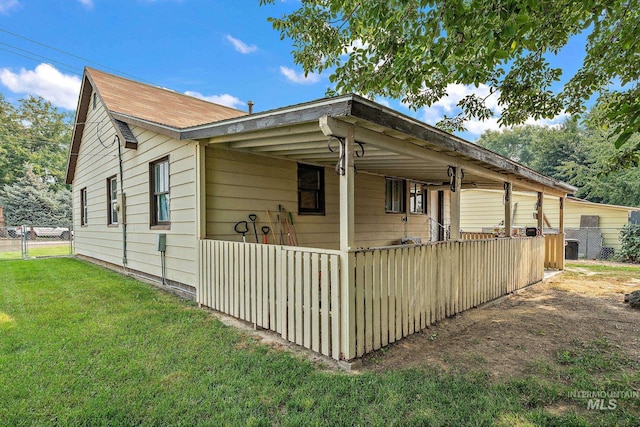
(78, 128)
(310, 111)
(364, 109)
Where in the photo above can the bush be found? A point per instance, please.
(630, 238)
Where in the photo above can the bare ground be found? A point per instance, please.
(523, 332)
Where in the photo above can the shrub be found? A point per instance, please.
(630, 239)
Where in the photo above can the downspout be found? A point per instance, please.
(122, 208)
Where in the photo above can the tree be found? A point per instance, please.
(34, 133)
(12, 154)
(577, 154)
(412, 49)
(30, 201)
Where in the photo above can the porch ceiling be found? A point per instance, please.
(305, 142)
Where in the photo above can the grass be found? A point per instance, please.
(38, 251)
(83, 346)
(629, 271)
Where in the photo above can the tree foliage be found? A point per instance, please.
(35, 133)
(29, 201)
(34, 143)
(581, 155)
(630, 240)
(413, 49)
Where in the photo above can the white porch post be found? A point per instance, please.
(508, 209)
(347, 272)
(455, 203)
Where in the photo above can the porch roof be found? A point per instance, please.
(394, 144)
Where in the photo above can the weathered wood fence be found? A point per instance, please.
(554, 251)
(402, 290)
(293, 291)
(476, 235)
(395, 291)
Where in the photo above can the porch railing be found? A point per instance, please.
(293, 291)
(402, 290)
(554, 251)
(396, 291)
(473, 235)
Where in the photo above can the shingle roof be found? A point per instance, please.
(156, 104)
(150, 104)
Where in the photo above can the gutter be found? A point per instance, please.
(360, 108)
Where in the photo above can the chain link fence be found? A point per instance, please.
(30, 241)
(592, 243)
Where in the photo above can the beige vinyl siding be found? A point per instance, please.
(612, 219)
(239, 184)
(96, 162)
(373, 226)
(484, 208)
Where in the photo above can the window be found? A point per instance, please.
(83, 206)
(159, 179)
(417, 198)
(112, 201)
(395, 195)
(310, 189)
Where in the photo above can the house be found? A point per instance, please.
(482, 211)
(362, 202)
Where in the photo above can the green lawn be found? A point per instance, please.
(80, 345)
(36, 251)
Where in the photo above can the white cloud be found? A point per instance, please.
(455, 92)
(478, 127)
(46, 81)
(299, 78)
(7, 5)
(87, 3)
(241, 46)
(355, 45)
(447, 105)
(554, 122)
(224, 99)
(383, 102)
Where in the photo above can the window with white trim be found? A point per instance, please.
(417, 198)
(83, 207)
(112, 200)
(160, 193)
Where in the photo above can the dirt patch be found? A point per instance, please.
(522, 333)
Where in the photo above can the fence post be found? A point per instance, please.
(23, 247)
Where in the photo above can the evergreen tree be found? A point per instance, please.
(31, 202)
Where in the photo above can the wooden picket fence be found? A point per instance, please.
(554, 251)
(476, 235)
(291, 290)
(402, 290)
(395, 291)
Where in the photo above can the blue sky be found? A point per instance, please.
(222, 50)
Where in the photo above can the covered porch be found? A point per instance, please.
(369, 270)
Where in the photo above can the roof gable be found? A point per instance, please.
(156, 104)
(124, 97)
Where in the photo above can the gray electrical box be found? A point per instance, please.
(161, 242)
